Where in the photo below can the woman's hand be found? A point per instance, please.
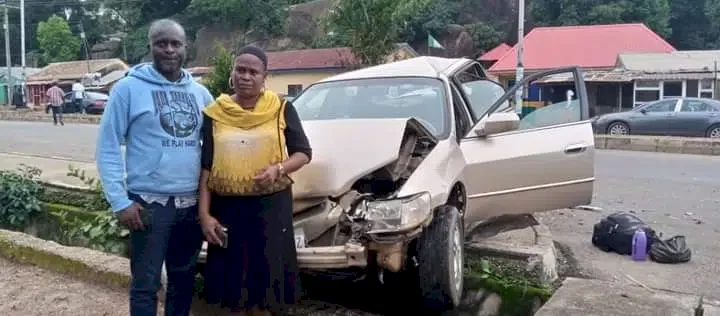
(210, 226)
(267, 175)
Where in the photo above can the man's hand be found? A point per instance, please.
(130, 217)
(267, 175)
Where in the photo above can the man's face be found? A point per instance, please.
(168, 50)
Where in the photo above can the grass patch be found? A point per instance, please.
(520, 294)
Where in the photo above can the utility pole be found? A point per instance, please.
(520, 50)
(22, 51)
(8, 61)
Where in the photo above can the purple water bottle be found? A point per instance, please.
(639, 246)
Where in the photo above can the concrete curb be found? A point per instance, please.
(41, 116)
(539, 254)
(83, 263)
(664, 144)
(89, 265)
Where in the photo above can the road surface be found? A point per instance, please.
(677, 194)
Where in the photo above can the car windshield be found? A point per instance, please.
(421, 98)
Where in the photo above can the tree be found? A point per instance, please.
(56, 40)
(654, 13)
(485, 36)
(258, 18)
(371, 27)
(217, 80)
(427, 17)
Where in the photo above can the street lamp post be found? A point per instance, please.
(8, 60)
(520, 50)
(22, 51)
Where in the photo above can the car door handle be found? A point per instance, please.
(670, 114)
(575, 149)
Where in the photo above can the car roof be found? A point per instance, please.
(423, 66)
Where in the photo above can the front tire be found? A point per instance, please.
(440, 257)
(713, 131)
(618, 128)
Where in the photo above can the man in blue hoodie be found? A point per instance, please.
(155, 111)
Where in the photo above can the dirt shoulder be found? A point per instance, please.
(29, 290)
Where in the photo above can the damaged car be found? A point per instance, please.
(406, 155)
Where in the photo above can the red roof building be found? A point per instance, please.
(310, 59)
(496, 53)
(586, 46)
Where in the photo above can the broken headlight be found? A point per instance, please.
(397, 214)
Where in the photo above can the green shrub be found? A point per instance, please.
(95, 200)
(217, 80)
(19, 196)
(100, 231)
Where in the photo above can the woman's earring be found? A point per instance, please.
(230, 83)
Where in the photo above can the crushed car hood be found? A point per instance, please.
(345, 151)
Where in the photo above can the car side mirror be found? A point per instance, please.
(643, 111)
(497, 123)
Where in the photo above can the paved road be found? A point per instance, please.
(677, 194)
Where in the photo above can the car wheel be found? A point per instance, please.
(440, 260)
(713, 131)
(618, 128)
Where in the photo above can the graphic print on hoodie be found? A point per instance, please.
(159, 122)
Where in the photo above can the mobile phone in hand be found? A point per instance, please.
(223, 235)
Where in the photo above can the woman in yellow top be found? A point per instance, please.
(252, 140)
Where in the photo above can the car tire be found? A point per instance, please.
(713, 131)
(620, 127)
(440, 260)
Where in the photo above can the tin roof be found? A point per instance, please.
(74, 70)
(673, 62)
(585, 46)
(495, 53)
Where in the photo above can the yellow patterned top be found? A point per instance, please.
(245, 142)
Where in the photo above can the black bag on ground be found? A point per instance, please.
(671, 250)
(615, 233)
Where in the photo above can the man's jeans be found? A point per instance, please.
(172, 235)
(57, 112)
(79, 105)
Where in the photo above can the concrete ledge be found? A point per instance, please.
(86, 264)
(600, 298)
(41, 116)
(678, 145)
(523, 239)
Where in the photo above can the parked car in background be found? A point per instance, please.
(690, 117)
(407, 155)
(93, 103)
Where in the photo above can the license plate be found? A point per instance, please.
(299, 239)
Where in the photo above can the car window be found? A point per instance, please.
(424, 99)
(690, 105)
(480, 92)
(662, 106)
(547, 101)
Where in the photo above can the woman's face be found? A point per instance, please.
(248, 75)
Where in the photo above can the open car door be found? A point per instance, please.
(540, 162)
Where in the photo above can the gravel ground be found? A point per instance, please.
(31, 291)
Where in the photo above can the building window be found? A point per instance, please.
(672, 89)
(647, 91)
(705, 89)
(294, 89)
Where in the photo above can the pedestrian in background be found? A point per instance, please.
(78, 95)
(252, 141)
(156, 112)
(55, 98)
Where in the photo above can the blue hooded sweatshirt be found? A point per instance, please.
(159, 122)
